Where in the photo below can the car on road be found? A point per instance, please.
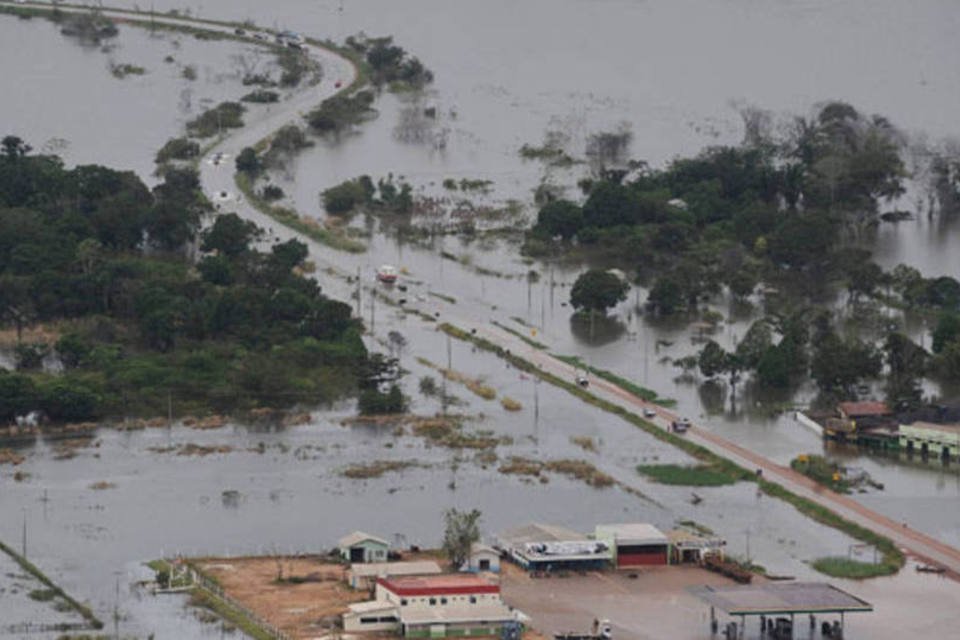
(680, 426)
(649, 412)
(582, 380)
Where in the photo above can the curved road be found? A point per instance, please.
(217, 179)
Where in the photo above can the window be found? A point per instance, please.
(403, 602)
(473, 599)
(443, 601)
(433, 601)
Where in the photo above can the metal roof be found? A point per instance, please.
(376, 569)
(952, 429)
(537, 532)
(452, 614)
(371, 605)
(865, 408)
(632, 533)
(443, 584)
(357, 537)
(775, 598)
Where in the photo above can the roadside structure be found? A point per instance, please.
(688, 547)
(928, 439)
(772, 602)
(364, 575)
(483, 558)
(634, 544)
(548, 548)
(360, 547)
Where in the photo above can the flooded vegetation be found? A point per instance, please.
(440, 172)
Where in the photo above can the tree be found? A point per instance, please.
(230, 235)
(906, 363)
(608, 205)
(248, 162)
(946, 331)
(461, 531)
(712, 360)
(597, 290)
(560, 218)
(773, 368)
(838, 364)
(666, 297)
(18, 395)
(755, 343)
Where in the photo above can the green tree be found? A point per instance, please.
(597, 291)
(756, 341)
(18, 395)
(838, 365)
(249, 162)
(230, 235)
(773, 368)
(712, 360)
(560, 218)
(461, 531)
(946, 331)
(667, 295)
(906, 364)
(73, 350)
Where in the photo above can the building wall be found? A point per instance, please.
(452, 630)
(372, 551)
(360, 621)
(934, 439)
(382, 593)
(493, 558)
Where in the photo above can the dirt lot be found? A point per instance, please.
(298, 609)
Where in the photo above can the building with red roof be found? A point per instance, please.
(450, 588)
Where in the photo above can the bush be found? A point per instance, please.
(226, 115)
(248, 161)
(178, 149)
(338, 112)
(261, 96)
(271, 193)
(375, 402)
(346, 196)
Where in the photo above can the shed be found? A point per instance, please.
(375, 615)
(541, 547)
(635, 544)
(363, 547)
(686, 546)
(364, 576)
(483, 558)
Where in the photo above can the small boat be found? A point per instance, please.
(387, 274)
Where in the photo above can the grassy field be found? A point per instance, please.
(641, 392)
(689, 476)
(840, 567)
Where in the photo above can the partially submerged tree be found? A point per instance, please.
(597, 290)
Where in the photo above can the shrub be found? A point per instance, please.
(261, 96)
(346, 196)
(178, 149)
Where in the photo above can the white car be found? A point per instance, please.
(649, 412)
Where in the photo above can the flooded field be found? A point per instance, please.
(676, 72)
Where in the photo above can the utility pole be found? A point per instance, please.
(24, 541)
(373, 309)
(169, 409)
(449, 354)
(359, 291)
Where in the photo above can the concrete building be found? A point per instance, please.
(374, 615)
(458, 621)
(483, 558)
(928, 439)
(363, 547)
(364, 576)
(688, 547)
(441, 590)
(548, 548)
(634, 544)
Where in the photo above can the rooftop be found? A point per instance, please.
(632, 532)
(868, 408)
(478, 547)
(371, 606)
(777, 598)
(537, 532)
(357, 537)
(933, 426)
(457, 613)
(413, 568)
(443, 584)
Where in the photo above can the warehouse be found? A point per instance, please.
(548, 548)
(634, 544)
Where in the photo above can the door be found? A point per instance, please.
(484, 565)
(356, 554)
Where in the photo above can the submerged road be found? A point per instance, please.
(217, 180)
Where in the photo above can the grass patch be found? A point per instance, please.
(510, 404)
(376, 468)
(443, 297)
(585, 442)
(530, 341)
(581, 470)
(641, 392)
(892, 556)
(821, 471)
(700, 475)
(290, 218)
(840, 567)
(42, 595)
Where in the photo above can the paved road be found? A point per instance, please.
(217, 179)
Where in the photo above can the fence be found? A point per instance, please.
(216, 591)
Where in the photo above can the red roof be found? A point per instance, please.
(854, 409)
(442, 585)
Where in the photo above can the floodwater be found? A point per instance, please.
(507, 73)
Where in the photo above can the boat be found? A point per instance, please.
(929, 568)
(387, 274)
